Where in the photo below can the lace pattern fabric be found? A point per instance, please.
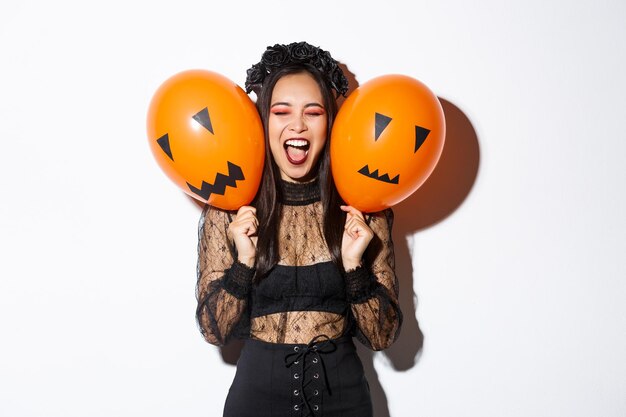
(219, 309)
(374, 301)
(302, 236)
(364, 303)
(297, 326)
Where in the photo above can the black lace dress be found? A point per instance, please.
(298, 322)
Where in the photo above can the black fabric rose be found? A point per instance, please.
(255, 76)
(275, 56)
(302, 51)
(325, 58)
(296, 53)
(339, 82)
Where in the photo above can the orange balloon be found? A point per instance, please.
(207, 136)
(386, 140)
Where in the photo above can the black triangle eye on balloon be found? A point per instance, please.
(201, 117)
(383, 121)
(235, 172)
(420, 136)
(204, 119)
(164, 143)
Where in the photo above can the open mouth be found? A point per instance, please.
(297, 150)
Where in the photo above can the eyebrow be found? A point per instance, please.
(284, 103)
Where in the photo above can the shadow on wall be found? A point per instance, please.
(443, 192)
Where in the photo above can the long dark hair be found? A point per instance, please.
(268, 198)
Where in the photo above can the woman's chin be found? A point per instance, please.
(297, 174)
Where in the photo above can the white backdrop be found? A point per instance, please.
(514, 250)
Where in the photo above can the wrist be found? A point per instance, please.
(349, 264)
(247, 260)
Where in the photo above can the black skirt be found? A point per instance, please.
(323, 378)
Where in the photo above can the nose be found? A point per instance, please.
(298, 124)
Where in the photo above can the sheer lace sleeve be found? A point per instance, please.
(223, 283)
(372, 289)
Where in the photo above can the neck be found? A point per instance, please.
(299, 193)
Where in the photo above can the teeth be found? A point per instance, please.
(297, 143)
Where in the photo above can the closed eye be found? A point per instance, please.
(280, 109)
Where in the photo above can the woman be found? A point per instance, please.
(297, 274)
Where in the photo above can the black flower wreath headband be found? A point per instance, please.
(279, 56)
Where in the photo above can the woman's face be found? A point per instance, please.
(297, 126)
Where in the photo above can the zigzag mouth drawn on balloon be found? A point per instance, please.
(235, 173)
(381, 123)
(221, 182)
(374, 175)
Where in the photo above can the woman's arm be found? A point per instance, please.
(372, 287)
(223, 283)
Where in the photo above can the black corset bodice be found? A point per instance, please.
(318, 287)
(292, 285)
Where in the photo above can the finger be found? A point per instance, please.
(245, 210)
(354, 228)
(355, 222)
(251, 229)
(352, 211)
(359, 229)
(244, 226)
(248, 224)
(348, 226)
(245, 216)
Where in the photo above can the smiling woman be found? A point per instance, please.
(297, 126)
(297, 274)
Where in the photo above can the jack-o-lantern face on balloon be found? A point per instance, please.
(386, 140)
(207, 136)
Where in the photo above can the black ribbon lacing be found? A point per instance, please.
(318, 346)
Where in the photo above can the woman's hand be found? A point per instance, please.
(243, 231)
(356, 236)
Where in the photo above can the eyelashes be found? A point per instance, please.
(381, 122)
(284, 112)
